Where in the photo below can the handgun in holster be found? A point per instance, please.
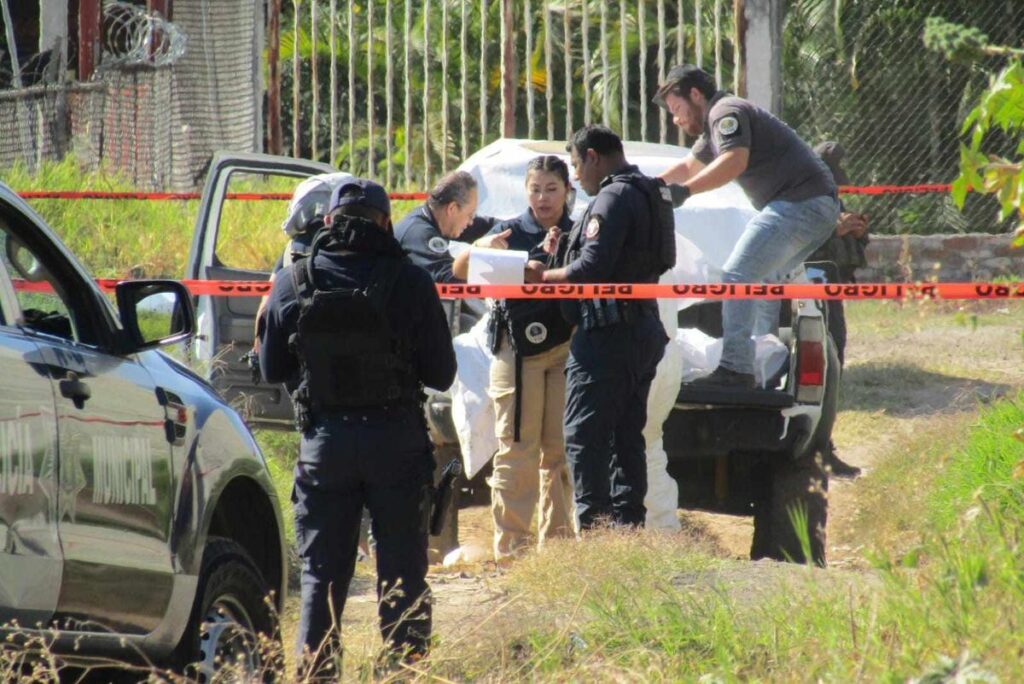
(443, 495)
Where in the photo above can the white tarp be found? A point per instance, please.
(707, 228)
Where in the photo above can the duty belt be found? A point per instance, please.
(603, 313)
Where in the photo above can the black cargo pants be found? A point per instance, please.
(607, 378)
(380, 459)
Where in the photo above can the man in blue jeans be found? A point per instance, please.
(784, 179)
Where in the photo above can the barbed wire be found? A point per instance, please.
(135, 37)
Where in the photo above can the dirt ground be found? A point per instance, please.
(910, 369)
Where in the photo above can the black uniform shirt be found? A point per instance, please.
(421, 238)
(781, 166)
(607, 228)
(414, 313)
(528, 235)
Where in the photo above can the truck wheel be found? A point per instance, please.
(232, 624)
(790, 520)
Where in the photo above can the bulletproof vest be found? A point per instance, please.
(656, 250)
(348, 354)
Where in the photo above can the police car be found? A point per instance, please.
(755, 452)
(137, 515)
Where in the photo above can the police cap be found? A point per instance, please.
(681, 78)
(362, 192)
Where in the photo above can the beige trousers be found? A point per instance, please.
(530, 475)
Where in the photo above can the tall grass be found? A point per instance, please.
(122, 238)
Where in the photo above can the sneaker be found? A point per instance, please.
(724, 377)
(841, 468)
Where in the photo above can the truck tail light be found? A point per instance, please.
(810, 360)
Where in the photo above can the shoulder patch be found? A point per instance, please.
(593, 228)
(437, 245)
(728, 125)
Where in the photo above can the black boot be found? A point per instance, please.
(724, 377)
(839, 467)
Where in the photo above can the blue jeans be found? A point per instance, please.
(775, 243)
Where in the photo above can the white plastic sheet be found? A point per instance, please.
(472, 409)
(701, 354)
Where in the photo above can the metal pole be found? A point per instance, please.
(314, 127)
(566, 47)
(718, 43)
(426, 92)
(641, 19)
(370, 165)
(389, 96)
(662, 123)
(548, 85)
(464, 78)
(407, 144)
(296, 74)
(444, 86)
(483, 72)
(528, 20)
(623, 70)
(351, 88)
(585, 30)
(334, 82)
(508, 71)
(605, 95)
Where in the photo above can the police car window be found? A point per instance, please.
(249, 235)
(43, 301)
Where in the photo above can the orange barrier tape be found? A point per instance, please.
(96, 194)
(104, 195)
(227, 288)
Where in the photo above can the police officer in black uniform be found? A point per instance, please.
(626, 236)
(357, 331)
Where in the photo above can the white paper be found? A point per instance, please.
(496, 266)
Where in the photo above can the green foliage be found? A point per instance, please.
(956, 42)
(999, 111)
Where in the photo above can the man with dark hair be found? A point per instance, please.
(786, 182)
(621, 238)
(424, 233)
(357, 331)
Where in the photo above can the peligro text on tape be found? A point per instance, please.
(718, 291)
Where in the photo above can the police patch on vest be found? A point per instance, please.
(437, 245)
(536, 332)
(728, 125)
(593, 228)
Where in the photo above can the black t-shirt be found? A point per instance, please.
(528, 235)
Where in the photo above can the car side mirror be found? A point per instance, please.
(154, 313)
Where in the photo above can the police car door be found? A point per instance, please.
(114, 475)
(225, 248)
(30, 556)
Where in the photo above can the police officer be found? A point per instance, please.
(626, 235)
(786, 182)
(424, 233)
(357, 331)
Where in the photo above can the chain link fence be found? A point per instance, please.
(165, 97)
(858, 73)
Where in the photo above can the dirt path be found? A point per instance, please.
(910, 370)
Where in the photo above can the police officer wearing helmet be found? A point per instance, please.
(626, 235)
(360, 331)
(786, 182)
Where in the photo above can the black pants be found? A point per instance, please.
(381, 460)
(608, 378)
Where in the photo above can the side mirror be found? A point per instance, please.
(154, 313)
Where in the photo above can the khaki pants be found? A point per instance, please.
(530, 474)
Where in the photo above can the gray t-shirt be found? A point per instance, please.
(781, 166)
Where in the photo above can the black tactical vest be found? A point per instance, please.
(655, 251)
(348, 355)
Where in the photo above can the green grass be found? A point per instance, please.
(122, 238)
